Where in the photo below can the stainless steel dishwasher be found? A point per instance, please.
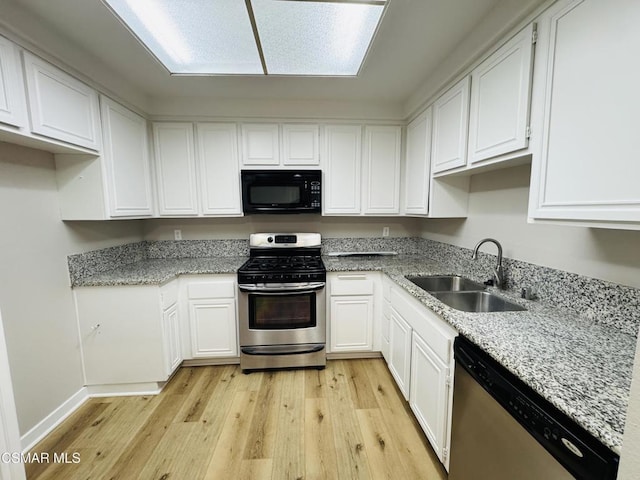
(503, 430)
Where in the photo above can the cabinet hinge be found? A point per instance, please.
(527, 132)
(448, 381)
(445, 454)
(534, 35)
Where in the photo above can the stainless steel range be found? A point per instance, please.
(282, 308)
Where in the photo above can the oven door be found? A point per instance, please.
(282, 314)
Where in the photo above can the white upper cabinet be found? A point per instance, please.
(450, 125)
(381, 170)
(585, 165)
(126, 160)
(175, 168)
(12, 107)
(500, 95)
(342, 166)
(219, 170)
(260, 144)
(273, 145)
(300, 144)
(417, 165)
(61, 107)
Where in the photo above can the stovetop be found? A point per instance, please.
(283, 258)
(282, 269)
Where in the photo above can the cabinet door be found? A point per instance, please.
(300, 144)
(500, 94)
(382, 170)
(585, 167)
(126, 160)
(218, 168)
(175, 166)
(12, 107)
(171, 332)
(450, 126)
(260, 144)
(121, 334)
(213, 328)
(351, 323)
(429, 398)
(400, 352)
(61, 106)
(385, 328)
(342, 154)
(418, 165)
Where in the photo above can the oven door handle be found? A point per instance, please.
(283, 290)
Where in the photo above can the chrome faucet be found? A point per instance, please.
(498, 272)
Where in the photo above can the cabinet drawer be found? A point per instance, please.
(351, 284)
(169, 294)
(211, 290)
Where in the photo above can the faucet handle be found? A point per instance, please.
(489, 283)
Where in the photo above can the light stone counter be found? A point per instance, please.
(581, 366)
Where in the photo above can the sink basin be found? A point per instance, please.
(445, 283)
(477, 302)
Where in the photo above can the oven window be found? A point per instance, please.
(274, 194)
(279, 312)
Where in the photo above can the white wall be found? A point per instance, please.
(232, 228)
(35, 297)
(498, 208)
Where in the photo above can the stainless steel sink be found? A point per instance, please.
(445, 283)
(477, 302)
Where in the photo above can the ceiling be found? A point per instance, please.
(414, 38)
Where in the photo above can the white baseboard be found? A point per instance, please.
(352, 355)
(204, 362)
(51, 421)
(125, 389)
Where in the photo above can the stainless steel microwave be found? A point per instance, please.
(281, 191)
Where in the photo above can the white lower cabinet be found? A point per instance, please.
(351, 312)
(430, 396)
(421, 361)
(171, 329)
(213, 326)
(126, 335)
(400, 352)
(352, 322)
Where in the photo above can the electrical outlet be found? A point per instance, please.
(177, 234)
(385, 231)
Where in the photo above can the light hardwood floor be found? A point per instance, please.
(348, 421)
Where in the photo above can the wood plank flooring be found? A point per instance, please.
(348, 421)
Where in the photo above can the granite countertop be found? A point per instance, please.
(161, 270)
(580, 366)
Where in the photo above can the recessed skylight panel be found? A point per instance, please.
(315, 37)
(194, 36)
(249, 37)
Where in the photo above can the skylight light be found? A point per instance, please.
(254, 37)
